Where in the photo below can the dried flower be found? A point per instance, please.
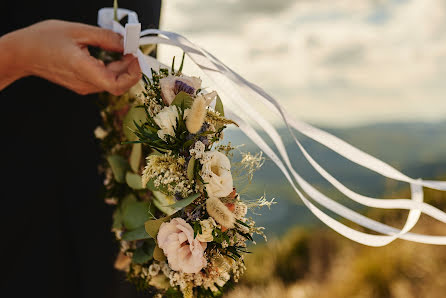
(195, 119)
(220, 212)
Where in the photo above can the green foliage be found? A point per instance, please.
(197, 228)
(152, 226)
(119, 167)
(117, 219)
(133, 180)
(136, 234)
(135, 157)
(135, 214)
(190, 168)
(182, 100)
(173, 293)
(135, 115)
(161, 201)
(144, 253)
(219, 106)
(185, 202)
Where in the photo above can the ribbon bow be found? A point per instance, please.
(231, 86)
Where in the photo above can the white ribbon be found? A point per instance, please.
(229, 86)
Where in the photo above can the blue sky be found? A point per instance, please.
(330, 62)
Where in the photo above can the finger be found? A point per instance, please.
(103, 38)
(128, 79)
(121, 65)
(106, 79)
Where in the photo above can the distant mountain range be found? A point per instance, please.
(417, 149)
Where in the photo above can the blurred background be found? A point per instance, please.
(371, 72)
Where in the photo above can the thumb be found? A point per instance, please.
(103, 38)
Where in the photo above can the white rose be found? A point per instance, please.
(168, 90)
(184, 252)
(216, 172)
(167, 121)
(207, 226)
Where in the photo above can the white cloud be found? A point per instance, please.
(336, 62)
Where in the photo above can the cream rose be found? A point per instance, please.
(169, 90)
(216, 172)
(183, 252)
(207, 227)
(167, 121)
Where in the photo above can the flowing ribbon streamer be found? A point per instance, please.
(230, 85)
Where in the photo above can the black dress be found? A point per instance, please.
(55, 228)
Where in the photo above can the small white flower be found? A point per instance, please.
(100, 133)
(154, 269)
(198, 150)
(216, 172)
(167, 121)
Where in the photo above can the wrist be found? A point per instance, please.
(12, 65)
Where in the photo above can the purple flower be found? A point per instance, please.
(182, 86)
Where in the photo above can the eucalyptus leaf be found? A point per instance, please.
(136, 234)
(158, 254)
(219, 106)
(135, 157)
(135, 214)
(152, 226)
(117, 219)
(119, 167)
(137, 115)
(161, 201)
(183, 97)
(190, 168)
(133, 180)
(144, 253)
(130, 198)
(185, 202)
(151, 186)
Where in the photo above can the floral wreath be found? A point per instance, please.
(180, 222)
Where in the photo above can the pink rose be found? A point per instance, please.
(184, 252)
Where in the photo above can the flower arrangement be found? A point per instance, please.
(181, 224)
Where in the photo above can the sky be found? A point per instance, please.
(330, 62)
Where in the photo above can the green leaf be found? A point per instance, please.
(135, 157)
(136, 234)
(117, 219)
(144, 253)
(161, 201)
(137, 115)
(130, 198)
(219, 106)
(190, 168)
(133, 180)
(185, 202)
(115, 10)
(183, 98)
(135, 214)
(152, 226)
(182, 63)
(119, 167)
(158, 254)
(151, 186)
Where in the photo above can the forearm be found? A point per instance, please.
(11, 66)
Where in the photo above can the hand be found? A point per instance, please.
(57, 51)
